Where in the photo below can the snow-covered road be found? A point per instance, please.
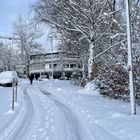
(57, 110)
(72, 127)
(40, 116)
(51, 119)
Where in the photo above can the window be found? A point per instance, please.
(41, 66)
(65, 65)
(33, 67)
(50, 66)
(37, 67)
(54, 65)
(74, 65)
(71, 65)
(79, 66)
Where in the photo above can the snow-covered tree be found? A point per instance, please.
(96, 29)
(27, 31)
(8, 59)
(89, 19)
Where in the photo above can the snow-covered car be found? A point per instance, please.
(7, 78)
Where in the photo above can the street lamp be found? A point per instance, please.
(130, 68)
(51, 42)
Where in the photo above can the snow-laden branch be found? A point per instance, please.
(100, 36)
(109, 49)
(60, 26)
(81, 10)
(80, 29)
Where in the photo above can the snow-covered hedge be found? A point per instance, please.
(115, 83)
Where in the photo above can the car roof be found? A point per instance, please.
(8, 73)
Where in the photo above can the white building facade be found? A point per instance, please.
(58, 63)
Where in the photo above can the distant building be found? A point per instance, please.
(64, 64)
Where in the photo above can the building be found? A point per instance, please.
(57, 64)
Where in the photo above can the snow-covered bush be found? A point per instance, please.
(115, 83)
(91, 86)
(76, 78)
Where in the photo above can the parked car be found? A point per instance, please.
(7, 78)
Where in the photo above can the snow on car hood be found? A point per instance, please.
(5, 80)
(6, 77)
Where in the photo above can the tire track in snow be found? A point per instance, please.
(93, 125)
(43, 123)
(73, 128)
(20, 122)
(23, 127)
(34, 123)
(96, 130)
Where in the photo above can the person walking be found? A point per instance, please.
(31, 77)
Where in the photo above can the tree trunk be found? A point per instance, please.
(90, 61)
(28, 65)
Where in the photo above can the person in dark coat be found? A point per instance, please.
(31, 77)
(36, 77)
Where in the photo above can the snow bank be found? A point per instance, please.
(91, 88)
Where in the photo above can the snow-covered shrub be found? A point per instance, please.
(115, 83)
(83, 82)
(76, 78)
(91, 86)
(97, 82)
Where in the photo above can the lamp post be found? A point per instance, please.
(130, 67)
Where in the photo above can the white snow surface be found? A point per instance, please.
(58, 110)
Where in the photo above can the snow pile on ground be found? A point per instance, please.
(91, 88)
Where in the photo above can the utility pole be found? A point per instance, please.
(130, 67)
(52, 53)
